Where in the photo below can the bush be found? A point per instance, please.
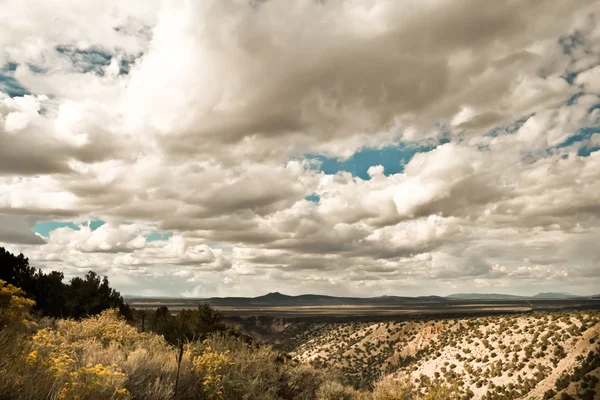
(332, 390)
(16, 325)
(103, 357)
(390, 388)
(97, 382)
(14, 308)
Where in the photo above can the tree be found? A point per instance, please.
(142, 317)
(163, 323)
(81, 297)
(187, 325)
(16, 270)
(51, 294)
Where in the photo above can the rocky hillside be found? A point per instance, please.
(540, 355)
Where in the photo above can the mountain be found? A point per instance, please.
(307, 300)
(551, 295)
(500, 296)
(484, 296)
(276, 299)
(141, 297)
(273, 297)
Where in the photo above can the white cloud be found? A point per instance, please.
(590, 80)
(194, 118)
(375, 170)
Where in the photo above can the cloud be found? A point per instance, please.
(348, 147)
(18, 230)
(323, 82)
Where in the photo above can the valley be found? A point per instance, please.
(476, 346)
(531, 356)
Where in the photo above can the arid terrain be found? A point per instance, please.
(82, 340)
(488, 347)
(529, 356)
(310, 307)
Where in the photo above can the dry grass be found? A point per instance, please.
(105, 358)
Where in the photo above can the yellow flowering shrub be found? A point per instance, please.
(104, 358)
(62, 354)
(95, 382)
(107, 327)
(211, 366)
(16, 325)
(51, 351)
(14, 307)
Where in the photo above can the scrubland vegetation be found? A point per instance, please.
(109, 351)
(538, 355)
(103, 357)
(112, 352)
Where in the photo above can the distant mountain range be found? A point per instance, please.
(498, 296)
(483, 296)
(276, 299)
(551, 295)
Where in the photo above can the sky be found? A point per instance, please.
(341, 147)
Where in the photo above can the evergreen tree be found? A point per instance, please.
(53, 297)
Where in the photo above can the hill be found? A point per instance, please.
(484, 296)
(277, 299)
(552, 295)
(500, 296)
(533, 356)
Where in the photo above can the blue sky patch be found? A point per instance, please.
(8, 84)
(95, 224)
(569, 45)
(313, 198)
(573, 98)
(569, 77)
(393, 159)
(86, 60)
(570, 42)
(10, 67)
(585, 151)
(125, 66)
(95, 59)
(581, 136)
(156, 236)
(44, 228)
(510, 128)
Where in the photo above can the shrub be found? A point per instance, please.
(14, 308)
(332, 390)
(390, 388)
(97, 382)
(103, 357)
(211, 366)
(15, 327)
